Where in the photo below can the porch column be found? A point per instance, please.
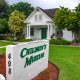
(29, 31)
(48, 34)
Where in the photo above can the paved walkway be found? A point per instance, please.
(3, 47)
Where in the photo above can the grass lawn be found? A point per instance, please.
(4, 43)
(68, 61)
(2, 51)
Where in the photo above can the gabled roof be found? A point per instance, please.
(49, 12)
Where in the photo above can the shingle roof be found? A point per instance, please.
(49, 12)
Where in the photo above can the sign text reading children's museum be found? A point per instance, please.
(33, 50)
(25, 61)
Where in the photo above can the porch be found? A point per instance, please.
(37, 32)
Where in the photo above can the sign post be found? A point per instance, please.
(25, 61)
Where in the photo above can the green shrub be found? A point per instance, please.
(10, 39)
(25, 40)
(59, 42)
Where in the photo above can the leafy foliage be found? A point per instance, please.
(72, 21)
(66, 18)
(10, 38)
(16, 18)
(3, 8)
(60, 18)
(78, 16)
(16, 22)
(26, 8)
(3, 26)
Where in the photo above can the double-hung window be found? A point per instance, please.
(40, 17)
(36, 17)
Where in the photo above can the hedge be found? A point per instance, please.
(24, 40)
(59, 42)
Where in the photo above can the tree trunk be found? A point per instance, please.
(76, 35)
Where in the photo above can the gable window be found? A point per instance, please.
(36, 17)
(40, 17)
(32, 31)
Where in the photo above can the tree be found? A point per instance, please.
(74, 22)
(16, 22)
(77, 10)
(73, 25)
(3, 26)
(60, 20)
(3, 8)
(22, 7)
(65, 18)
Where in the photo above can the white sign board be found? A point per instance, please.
(2, 77)
(25, 61)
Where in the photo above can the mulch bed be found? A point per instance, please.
(3, 65)
(76, 44)
(51, 73)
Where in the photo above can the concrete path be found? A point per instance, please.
(3, 47)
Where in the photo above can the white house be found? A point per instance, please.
(39, 25)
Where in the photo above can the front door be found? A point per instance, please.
(43, 33)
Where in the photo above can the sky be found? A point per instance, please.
(47, 4)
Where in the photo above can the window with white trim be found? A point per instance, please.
(40, 17)
(36, 17)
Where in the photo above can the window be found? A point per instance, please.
(40, 17)
(32, 31)
(36, 17)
